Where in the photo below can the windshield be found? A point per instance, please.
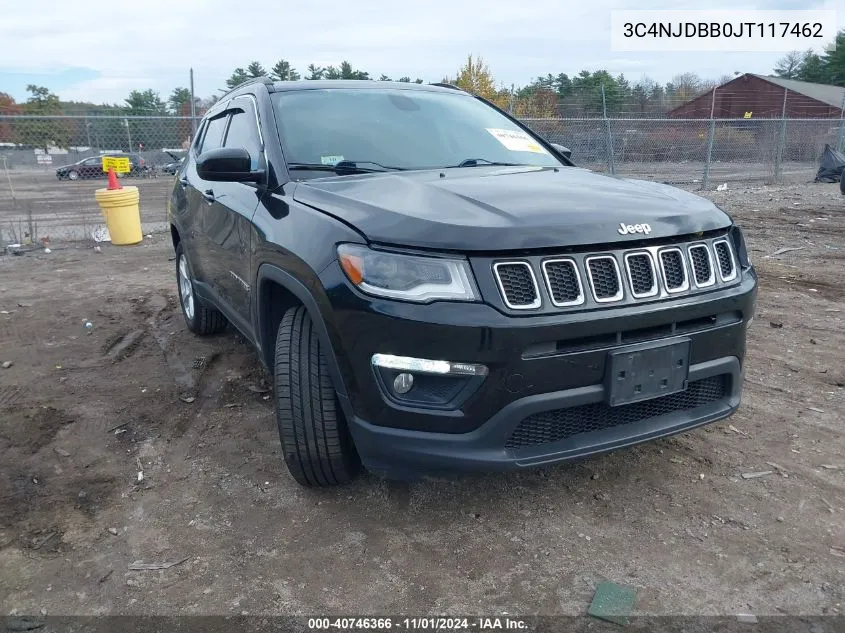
(405, 129)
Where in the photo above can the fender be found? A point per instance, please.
(301, 292)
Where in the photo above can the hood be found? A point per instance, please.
(505, 208)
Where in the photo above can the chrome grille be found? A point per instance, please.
(702, 265)
(727, 268)
(641, 274)
(517, 284)
(674, 271)
(651, 272)
(604, 278)
(563, 282)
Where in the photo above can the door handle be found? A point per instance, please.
(208, 194)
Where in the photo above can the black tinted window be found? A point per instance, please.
(400, 128)
(243, 132)
(214, 133)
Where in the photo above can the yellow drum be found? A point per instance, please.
(122, 212)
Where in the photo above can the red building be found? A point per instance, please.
(763, 98)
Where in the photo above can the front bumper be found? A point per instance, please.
(544, 372)
(399, 452)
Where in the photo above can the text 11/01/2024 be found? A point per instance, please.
(493, 623)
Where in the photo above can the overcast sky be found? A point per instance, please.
(98, 51)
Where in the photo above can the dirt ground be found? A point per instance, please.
(83, 411)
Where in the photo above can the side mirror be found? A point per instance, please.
(563, 150)
(227, 164)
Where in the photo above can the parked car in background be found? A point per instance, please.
(173, 166)
(92, 167)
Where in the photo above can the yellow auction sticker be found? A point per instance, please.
(119, 164)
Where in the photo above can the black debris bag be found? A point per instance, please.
(832, 165)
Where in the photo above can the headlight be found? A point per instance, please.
(739, 245)
(407, 277)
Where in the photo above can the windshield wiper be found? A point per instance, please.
(345, 167)
(476, 162)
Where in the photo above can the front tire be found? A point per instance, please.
(73, 175)
(200, 318)
(316, 444)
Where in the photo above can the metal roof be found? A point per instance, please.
(831, 95)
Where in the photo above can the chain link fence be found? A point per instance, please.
(50, 166)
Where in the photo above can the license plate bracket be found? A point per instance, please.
(643, 372)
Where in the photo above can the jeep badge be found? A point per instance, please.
(627, 229)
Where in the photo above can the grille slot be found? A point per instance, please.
(724, 256)
(604, 278)
(674, 271)
(517, 284)
(702, 265)
(641, 274)
(560, 424)
(563, 282)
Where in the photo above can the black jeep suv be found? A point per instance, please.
(436, 288)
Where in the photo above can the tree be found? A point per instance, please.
(283, 71)
(812, 68)
(789, 66)
(687, 86)
(541, 102)
(179, 101)
(239, 75)
(418, 80)
(255, 70)
(347, 72)
(43, 133)
(384, 78)
(7, 107)
(330, 72)
(405, 80)
(146, 102)
(834, 61)
(315, 72)
(475, 77)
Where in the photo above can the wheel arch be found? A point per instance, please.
(273, 303)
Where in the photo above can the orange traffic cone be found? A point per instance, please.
(113, 184)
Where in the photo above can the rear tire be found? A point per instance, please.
(200, 318)
(316, 444)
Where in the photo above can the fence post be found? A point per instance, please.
(781, 147)
(841, 133)
(193, 108)
(711, 135)
(610, 163)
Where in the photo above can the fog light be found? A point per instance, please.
(403, 383)
(426, 366)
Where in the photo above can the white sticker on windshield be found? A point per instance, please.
(330, 160)
(517, 141)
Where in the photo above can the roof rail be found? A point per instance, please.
(264, 79)
(447, 85)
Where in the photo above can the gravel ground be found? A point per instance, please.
(83, 411)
